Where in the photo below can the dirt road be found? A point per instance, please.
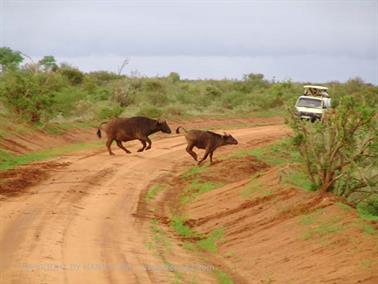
(79, 225)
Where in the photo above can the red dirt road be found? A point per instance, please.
(79, 225)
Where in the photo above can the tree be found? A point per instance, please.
(48, 63)
(174, 77)
(74, 75)
(9, 58)
(340, 153)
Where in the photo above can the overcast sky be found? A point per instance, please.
(312, 41)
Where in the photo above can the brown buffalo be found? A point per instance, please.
(133, 128)
(207, 140)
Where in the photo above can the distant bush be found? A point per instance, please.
(109, 112)
(73, 75)
(150, 111)
(122, 92)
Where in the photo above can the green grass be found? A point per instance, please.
(369, 229)
(194, 171)
(276, 154)
(9, 161)
(153, 191)
(319, 229)
(210, 243)
(298, 178)
(178, 224)
(254, 186)
(196, 188)
(159, 239)
(368, 209)
(222, 277)
(344, 206)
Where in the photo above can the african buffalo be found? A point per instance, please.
(207, 140)
(133, 128)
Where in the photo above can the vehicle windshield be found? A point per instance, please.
(307, 102)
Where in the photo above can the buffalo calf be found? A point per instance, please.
(207, 140)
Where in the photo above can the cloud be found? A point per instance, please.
(323, 40)
(212, 28)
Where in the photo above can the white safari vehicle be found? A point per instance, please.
(314, 103)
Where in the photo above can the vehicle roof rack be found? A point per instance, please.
(315, 91)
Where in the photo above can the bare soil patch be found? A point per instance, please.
(16, 181)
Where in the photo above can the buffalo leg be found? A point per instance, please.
(144, 145)
(211, 157)
(149, 143)
(119, 143)
(108, 144)
(204, 156)
(189, 149)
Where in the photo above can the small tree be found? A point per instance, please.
(9, 58)
(48, 63)
(340, 153)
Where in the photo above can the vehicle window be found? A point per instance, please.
(306, 102)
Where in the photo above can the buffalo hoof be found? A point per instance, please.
(112, 154)
(140, 150)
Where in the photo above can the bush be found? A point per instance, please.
(150, 111)
(340, 153)
(30, 94)
(109, 112)
(369, 208)
(122, 93)
(73, 75)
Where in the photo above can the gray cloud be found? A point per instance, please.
(345, 29)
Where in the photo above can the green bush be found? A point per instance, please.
(109, 112)
(73, 75)
(369, 208)
(150, 111)
(30, 94)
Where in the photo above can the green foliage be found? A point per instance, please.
(368, 209)
(153, 191)
(30, 94)
(223, 277)
(178, 224)
(173, 77)
(8, 161)
(150, 111)
(73, 75)
(210, 242)
(48, 63)
(196, 188)
(109, 112)
(340, 153)
(9, 58)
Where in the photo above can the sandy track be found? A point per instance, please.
(79, 225)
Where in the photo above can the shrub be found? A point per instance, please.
(341, 152)
(73, 75)
(109, 112)
(122, 93)
(150, 111)
(30, 94)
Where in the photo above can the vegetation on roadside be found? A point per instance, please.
(8, 161)
(340, 153)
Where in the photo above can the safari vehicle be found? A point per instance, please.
(313, 103)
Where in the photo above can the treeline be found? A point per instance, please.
(47, 91)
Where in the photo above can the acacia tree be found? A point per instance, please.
(340, 153)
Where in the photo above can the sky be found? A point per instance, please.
(312, 41)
